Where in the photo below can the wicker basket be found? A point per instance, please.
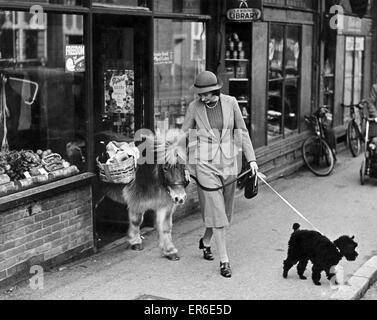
(123, 172)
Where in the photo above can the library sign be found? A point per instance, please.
(244, 10)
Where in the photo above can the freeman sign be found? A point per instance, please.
(244, 14)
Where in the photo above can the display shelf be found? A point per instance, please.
(237, 67)
(239, 79)
(237, 60)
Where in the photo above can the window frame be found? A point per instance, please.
(283, 80)
(353, 77)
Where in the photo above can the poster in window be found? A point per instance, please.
(119, 91)
(75, 58)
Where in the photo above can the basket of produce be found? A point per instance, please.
(120, 165)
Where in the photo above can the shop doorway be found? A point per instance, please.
(121, 93)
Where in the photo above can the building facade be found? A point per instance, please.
(75, 73)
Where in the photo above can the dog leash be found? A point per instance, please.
(260, 176)
(223, 186)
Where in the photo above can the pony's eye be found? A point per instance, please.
(165, 169)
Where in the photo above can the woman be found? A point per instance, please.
(214, 116)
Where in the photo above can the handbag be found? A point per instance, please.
(251, 186)
(249, 182)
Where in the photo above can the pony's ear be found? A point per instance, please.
(353, 237)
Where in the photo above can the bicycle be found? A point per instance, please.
(354, 134)
(318, 156)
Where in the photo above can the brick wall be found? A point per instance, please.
(57, 227)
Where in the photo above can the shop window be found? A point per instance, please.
(283, 83)
(303, 4)
(179, 55)
(328, 75)
(42, 108)
(354, 73)
(127, 3)
(63, 2)
(178, 6)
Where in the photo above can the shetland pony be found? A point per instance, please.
(158, 186)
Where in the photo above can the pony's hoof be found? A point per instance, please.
(173, 257)
(137, 247)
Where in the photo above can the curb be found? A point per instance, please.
(359, 283)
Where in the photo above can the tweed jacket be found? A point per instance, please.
(207, 144)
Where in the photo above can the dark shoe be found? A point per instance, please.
(225, 269)
(207, 254)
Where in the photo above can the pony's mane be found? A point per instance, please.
(170, 146)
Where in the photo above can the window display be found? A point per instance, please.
(354, 73)
(129, 3)
(328, 75)
(304, 4)
(179, 55)
(42, 108)
(284, 75)
(237, 52)
(178, 6)
(119, 100)
(117, 67)
(64, 2)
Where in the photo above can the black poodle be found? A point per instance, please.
(305, 245)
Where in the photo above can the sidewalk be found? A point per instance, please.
(257, 240)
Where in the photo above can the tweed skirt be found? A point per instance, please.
(216, 206)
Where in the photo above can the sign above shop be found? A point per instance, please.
(244, 10)
(75, 58)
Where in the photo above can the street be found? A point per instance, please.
(257, 244)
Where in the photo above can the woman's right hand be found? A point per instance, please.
(254, 167)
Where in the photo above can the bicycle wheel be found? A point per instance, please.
(353, 136)
(318, 156)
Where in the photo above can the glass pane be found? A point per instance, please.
(275, 110)
(349, 64)
(64, 2)
(117, 67)
(43, 104)
(276, 47)
(359, 57)
(292, 53)
(304, 4)
(358, 84)
(127, 3)
(348, 91)
(179, 56)
(291, 106)
(178, 6)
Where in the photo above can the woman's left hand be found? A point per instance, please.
(254, 167)
(187, 175)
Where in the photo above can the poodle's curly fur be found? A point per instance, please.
(305, 245)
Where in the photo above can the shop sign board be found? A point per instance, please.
(75, 58)
(244, 10)
(163, 57)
